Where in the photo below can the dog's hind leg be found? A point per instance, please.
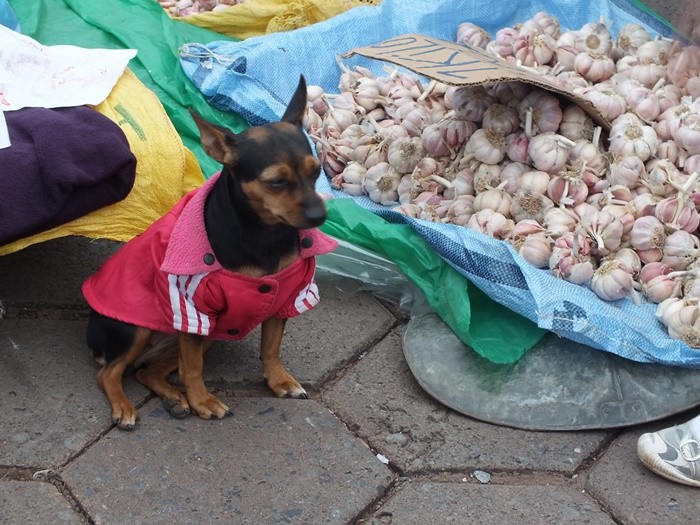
(278, 379)
(109, 377)
(155, 375)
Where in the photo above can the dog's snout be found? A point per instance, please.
(315, 214)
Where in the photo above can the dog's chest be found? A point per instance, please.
(257, 272)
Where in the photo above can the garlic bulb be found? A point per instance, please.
(493, 199)
(634, 139)
(529, 205)
(549, 151)
(593, 37)
(625, 170)
(571, 259)
(511, 175)
(487, 146)
(611, 281)
(594, 66)
(461, 210)
(648, 237)
(680, 250)
(682, 318)
(491, 223)
(472, 35)
(501, 119)
(575, 124)
(539, 112)
(535, 248)
(630, 37)
(471, 102)
(381, 183)
(547, 23)
(404, 153)
(606, 100)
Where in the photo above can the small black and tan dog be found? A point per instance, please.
(234, 254)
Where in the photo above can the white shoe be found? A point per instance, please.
(673, 453)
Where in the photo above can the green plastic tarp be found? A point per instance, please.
(492, 330)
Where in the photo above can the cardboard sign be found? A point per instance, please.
(459, 65)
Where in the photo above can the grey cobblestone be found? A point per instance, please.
(368, 447)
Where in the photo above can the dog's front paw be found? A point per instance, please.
(287, 386)
(209, 407)
(124, 416)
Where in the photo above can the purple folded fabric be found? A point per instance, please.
(62, 164)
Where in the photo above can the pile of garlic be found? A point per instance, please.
(614, 211)
(191, 7)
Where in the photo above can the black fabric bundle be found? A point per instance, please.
(62, 164)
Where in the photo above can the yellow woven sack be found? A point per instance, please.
(258, 17)
(165, 170)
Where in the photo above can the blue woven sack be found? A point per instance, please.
(256, 78)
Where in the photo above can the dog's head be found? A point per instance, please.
(272, 164)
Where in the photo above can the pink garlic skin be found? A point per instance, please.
(516, 147)
(630, 37)
(594, 67)
(626, 170)
(575, 124)
(546, 111)
(487, 146)
(547, 153)
(683, 65)
(535, 248)
(687, 135)
(472, 35)
(648, 238)
(606, 100)
(511, 174)
(680, 250)
(611, 282)
(678, 213)
(576, 270)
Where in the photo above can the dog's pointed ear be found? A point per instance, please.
(297, 105)
(218, 142)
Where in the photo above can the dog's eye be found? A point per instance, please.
(277, 183)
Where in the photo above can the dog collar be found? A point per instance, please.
(189, 251)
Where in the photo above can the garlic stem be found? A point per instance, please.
(599, 240)
(326, 98)
(321, 140)
(692, 181)
(441, 180)
(341, 64)
(635, 297)
(596, 136)
(528, 123)
(425, 93)
(563, 141)
(680, 273)
(661, 82)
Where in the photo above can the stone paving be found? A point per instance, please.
(368, 447)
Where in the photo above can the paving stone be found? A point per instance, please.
(634, 494)
(32, 502)
(273, 461)
(315, 344)
(50, 404)
(469, 503)
(381, 401)
(52, 272)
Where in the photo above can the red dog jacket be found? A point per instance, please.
(167, 279)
